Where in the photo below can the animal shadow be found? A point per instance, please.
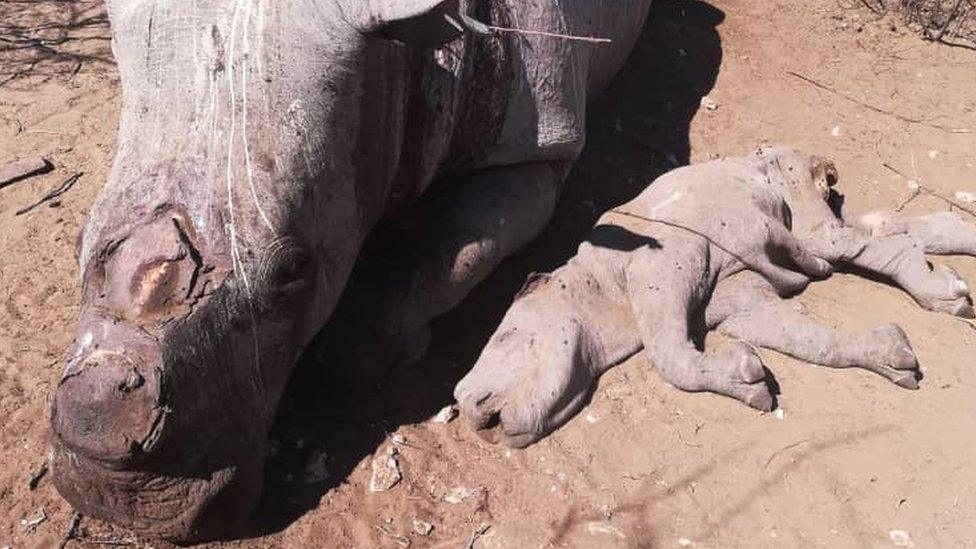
(637, 130)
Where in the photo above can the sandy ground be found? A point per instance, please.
(852, 461)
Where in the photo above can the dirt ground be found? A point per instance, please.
(851, 461)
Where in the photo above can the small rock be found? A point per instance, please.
(709, 103)
(315, 469)
(685, 542)
(965, 197)
(836, 131)
(601, 527)
(913, 185)
(422, 527)
(900, 538)
(459, 494)
(933, 154)
(398, 439)
(386, 471)
(779, 414)
(591, 417)
(446, 414)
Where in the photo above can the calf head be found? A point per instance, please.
(257, 142)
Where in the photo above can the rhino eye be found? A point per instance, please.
(291, 270)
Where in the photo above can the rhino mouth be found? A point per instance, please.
(179, 508)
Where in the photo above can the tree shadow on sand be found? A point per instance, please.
(637, 130)
(48, 38)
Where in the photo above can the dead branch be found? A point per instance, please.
(36, 477)
(477, 534)
(18, 171)
(72, 530)
(53, 193)
(877, 109)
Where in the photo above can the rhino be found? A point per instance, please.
(655, 274)
(259, 144)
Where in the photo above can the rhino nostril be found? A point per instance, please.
(132, 382)
(106, 409)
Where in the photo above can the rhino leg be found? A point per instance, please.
(745, 307)
(666, 291)
(459, 237)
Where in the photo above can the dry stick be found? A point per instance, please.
(923, 189)
(477, 534)
(18, 171)
(53, 193)
(36, 477)
(876, 109)
(464, 22)
(71, 532)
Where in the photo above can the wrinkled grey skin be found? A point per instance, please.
(681, 259)
(259, 143)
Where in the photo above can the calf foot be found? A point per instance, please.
(738, 372)
(946, 292)
(890, 354)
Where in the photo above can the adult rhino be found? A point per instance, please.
(259, 143)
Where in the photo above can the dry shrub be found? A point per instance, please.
(949, 21)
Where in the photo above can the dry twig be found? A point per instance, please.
(922, 189)
(18, 171)
(36, 477)
(477, 534)
(53, 193)
(877, 109)
(72, 530)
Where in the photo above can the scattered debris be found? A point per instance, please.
(316, 470)
(900, 538)
(603, 527)
(401, 540)
(446, 414)
(386, 471)
(36, 477)
(477, 534)
(53, 193)
(18, 171)
(460, 494)
(709, 103)
(31, 524)
(422, 527)
(966, 197)
(72, 530)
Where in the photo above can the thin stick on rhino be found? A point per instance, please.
(470, 24)
(18, 171)
(53, 193)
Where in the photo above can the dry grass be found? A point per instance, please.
(952, 22)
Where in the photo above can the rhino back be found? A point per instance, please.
(512, 98)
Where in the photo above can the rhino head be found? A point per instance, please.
(257, 143)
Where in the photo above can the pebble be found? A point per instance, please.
(900, 538)
(709, 103)
(386, 471)
(446, 414)
(459, 494)
(836, 131)
(422, 527)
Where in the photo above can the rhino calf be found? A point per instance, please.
(682, 258)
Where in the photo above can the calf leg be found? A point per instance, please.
(943, 233)
(746, 308)
(900, 258)
(665, 291)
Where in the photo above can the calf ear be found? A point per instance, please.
(422, 23)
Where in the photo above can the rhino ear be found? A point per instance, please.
(423, 23)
